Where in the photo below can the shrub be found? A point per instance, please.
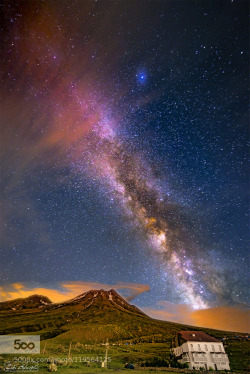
(156, 362)
(175, 364)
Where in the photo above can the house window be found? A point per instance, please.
(199, 347)
(192, 347)
(206, 347)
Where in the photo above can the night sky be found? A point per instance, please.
(124, 128)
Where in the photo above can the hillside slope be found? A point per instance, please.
(93, 316)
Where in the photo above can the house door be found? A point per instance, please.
(215, 366)
(206, 366)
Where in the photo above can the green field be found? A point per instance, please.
(75, 361)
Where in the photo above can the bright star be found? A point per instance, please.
(141, 77)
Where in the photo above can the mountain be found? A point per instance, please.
(94, 298)
(34, 301)
(93, 316)
(103, 300)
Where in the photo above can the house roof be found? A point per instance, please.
(197, 336)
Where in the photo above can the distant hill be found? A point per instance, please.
(34, 301)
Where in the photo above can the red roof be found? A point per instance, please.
(197, 336)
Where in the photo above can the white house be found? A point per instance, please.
(198, 349)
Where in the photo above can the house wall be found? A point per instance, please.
(203, 354)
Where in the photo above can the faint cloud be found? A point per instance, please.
(166, 311)
(222, 318)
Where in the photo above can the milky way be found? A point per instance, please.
(162, 221)
(75, 103)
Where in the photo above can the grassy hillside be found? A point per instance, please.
(133, 337)
(96, 324)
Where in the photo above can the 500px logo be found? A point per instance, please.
(23, 344)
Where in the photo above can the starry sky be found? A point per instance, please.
(124, 148)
